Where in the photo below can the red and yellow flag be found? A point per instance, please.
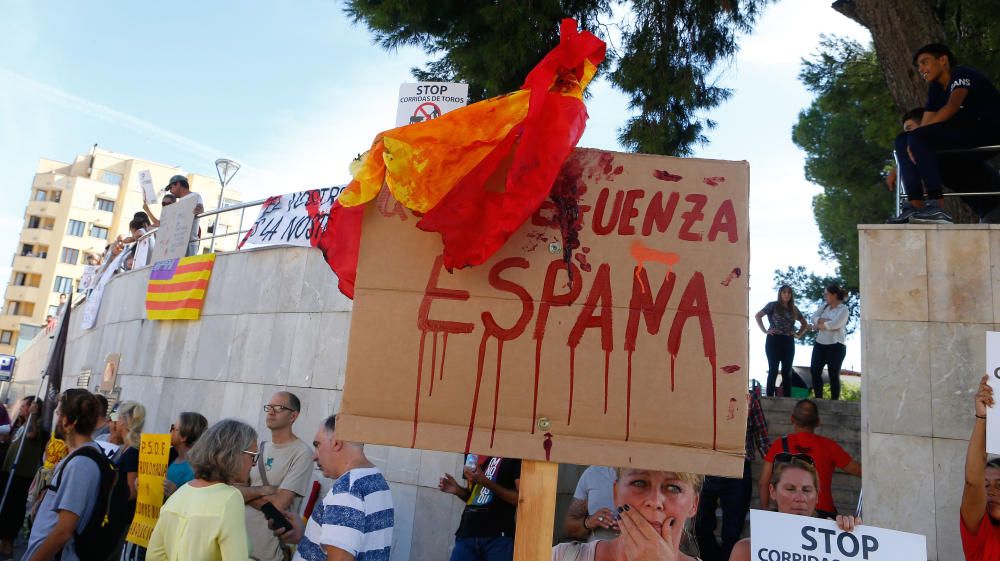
(177, 287)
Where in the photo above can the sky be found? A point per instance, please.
(295, 94)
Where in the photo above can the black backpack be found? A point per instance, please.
(110, 518)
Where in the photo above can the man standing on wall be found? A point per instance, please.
(179, 188)
(282, 476)
(486, 532)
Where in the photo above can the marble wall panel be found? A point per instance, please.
(434, 529)
(895, 289)
(404, 502)
(267, 351)
(958, 361)
(403, 465)
(332, 347)
(995, 269)
(949, 481)
(227, 289)
(958, 276)
(211, 359)
(433, 466)
(900, 369)
(308, 350)
(899, 485)
(319, 287)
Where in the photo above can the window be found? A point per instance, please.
(99, 232)
(20, 279)
(63, 285)
(56, 196)
(40, 195)
(105, 205)
(6, 337)
(34, 222)
(75, 228)
(28, 250)
(112, 178)
(70, 255)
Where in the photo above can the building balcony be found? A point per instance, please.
(37, 236)
(29, 264)
(43, 208)
(10, 323)
(24, 293)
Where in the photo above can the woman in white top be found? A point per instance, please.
(654, 507)
(829, 351)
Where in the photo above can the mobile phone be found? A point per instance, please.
(277, 519)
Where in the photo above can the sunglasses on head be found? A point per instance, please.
(786, 458)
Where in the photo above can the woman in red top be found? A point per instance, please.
(981, 497)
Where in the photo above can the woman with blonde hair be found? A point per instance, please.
(795, 488)
(129, 418)
(653, 507)
(203, 519)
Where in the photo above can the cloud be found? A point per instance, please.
(790, 31)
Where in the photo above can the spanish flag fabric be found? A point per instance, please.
(177, 287)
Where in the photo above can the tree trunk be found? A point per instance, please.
(898, 28)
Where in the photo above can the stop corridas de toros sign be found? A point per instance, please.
(613, 332)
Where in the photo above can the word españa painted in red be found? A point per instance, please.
(648, 304)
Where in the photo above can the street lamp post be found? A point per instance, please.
(226, 169)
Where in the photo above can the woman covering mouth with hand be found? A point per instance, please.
(654, 507)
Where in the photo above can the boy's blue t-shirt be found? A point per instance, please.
(180, 472)
(981, 102)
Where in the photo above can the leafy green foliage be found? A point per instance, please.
(808, 290)
(847, 135)
(668, 51)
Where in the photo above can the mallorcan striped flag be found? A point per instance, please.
(177, 287)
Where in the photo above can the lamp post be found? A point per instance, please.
(226, 169)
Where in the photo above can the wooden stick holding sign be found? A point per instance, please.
(536, 509)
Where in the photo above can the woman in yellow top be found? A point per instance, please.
(203, 520)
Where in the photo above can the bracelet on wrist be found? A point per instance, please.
(983, 417)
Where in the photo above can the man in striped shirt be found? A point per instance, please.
(356, 518)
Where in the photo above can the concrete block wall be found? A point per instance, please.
(273, 319)
(930, 293)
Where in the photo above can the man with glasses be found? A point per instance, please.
(804, 444)
(282, 475)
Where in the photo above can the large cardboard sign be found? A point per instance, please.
(779, 537)
(613, 332)
(92, 307)
(293, 219)
(174, 234)
(993, 413)
(429, 100)
(154, 453)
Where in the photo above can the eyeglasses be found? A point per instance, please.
(253, 455)
(277, 408)
(786, 458)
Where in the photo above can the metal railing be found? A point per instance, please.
(240, 230)
(901, 196)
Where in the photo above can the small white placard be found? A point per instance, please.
(148, 189)
(993, 413)
(780, 537)
(429, 100)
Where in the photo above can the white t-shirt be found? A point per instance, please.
(596, 486)
(833, 329)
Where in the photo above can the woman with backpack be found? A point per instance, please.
(65, 511)
(829, 351)
(204, 519)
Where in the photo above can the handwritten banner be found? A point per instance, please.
(611, 329)
(154, 454)
(293, 219)
(780, 537)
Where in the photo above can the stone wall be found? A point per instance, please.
(273, 320)
(930, 295)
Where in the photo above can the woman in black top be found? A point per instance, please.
(781, 334)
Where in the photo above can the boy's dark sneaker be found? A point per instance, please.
(931, 215)
(905, 214)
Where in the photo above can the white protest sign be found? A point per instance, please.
(788, 537)
(88, 279)
(148, 190)
(174, 233)
(93, 304)
(429, 100)
(293, 219)
(143, 248)
(993, 413)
